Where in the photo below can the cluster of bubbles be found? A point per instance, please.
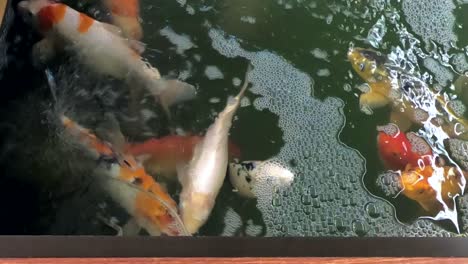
(432, 20)
(327, 197)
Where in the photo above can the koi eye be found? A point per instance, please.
(137, 181)
(127, 163)
(407, 86)
(362, 66)
(107, 160)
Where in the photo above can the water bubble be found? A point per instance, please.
(360, 228)
(372, 210)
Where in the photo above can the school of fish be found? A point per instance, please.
(426, 172)
(127, 171)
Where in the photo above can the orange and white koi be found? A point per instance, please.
(101, 48)
(204, 175)
(433, 188)
(126, 14)
(128, 184)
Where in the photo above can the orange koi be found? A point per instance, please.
(397, 151)
(129, 185)
(166, 153)
(125, 14)
(432, 187)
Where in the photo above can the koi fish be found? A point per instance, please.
(432, 187)
(248, 176)
(101, 48)
(125, 14)
(163, 155)
(204, 175)
(370, 66)
(397, 151)
(128, 184)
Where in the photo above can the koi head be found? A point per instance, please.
(394, 147)
(368, 64)
(424, 185)
(42, 14)
(417, 187)
(397, 149)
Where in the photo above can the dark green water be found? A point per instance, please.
(291, 30)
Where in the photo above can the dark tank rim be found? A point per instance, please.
(123, 247)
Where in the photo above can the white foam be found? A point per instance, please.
(212, 72)
(182, 41)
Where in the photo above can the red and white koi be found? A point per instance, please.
(203, 177)
(126, 14)
(128, 184)
(101, 48)
(163, 155)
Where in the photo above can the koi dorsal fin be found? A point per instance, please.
(138, 46)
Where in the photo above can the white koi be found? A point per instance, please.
(204, 175)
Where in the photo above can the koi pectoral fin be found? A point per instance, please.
(112, 223)
(129, 25)
(172, 92)
(43, 52)
(131, 228)
(400, 119)
(373, 100)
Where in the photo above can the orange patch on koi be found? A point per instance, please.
(85, 23)
(51, 15)
(127, 8)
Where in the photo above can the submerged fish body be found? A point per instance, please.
(204, 175)
(397, 151)
(248, 176)
(369, 65)
(432, 187)
(128, 184)
(101, 48)
(163, 155)
(125, 14)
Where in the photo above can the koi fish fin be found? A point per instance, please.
(172, 92)
(431, 206)
(461, 88)
(400, 119)
(182, 173)
(138, 46)
(43, 52)
(109, 130)
(134, 44)
(131, 228)
(373, 100)
(461, 84)
(129, 25)
(112, 29)
(112, 223)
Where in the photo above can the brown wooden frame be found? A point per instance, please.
(102, 247)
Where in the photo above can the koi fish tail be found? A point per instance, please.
(233, 103)
(168, 92)
(373, 100)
